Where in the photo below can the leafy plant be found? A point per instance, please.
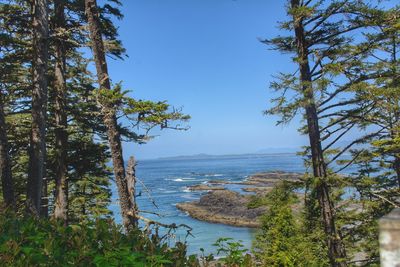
(235, 254)
(25, 241)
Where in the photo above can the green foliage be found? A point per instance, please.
(375, 192)
(142, 115)
(33, 242)
(234, 254)
(88, 153)
(282, 240)
(257, 201)
(205, 259)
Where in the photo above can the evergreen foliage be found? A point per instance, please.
(282, 239)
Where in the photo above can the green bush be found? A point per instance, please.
(39, 242)
(234, 253)
(282, 239)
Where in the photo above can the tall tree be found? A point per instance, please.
(320, 33)
(37, 151)
(383, 93)
(16, 85)
(109, 114)
(335, 245)
(61, 134)
(5, 163)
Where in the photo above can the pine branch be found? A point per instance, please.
(357, 141)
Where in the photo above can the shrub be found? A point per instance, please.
(282, 240)
(38, 242)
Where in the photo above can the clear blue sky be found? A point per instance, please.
(204, 56)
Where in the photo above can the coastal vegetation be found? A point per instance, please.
(63, 121)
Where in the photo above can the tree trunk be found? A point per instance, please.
(44, 203)
(109, 116)
(61, 134)
(396, 166)
(395, 126)
(336, 250)
(131, 180)
(5, 162)
(39, 106)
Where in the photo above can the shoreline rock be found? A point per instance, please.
(220, 205)
(224, 206)
(263, 179)
(203, 187)
(258, 190)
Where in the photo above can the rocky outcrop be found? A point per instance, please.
(266, 179)
(224, 206)
(258, 190)
(203, 187)
(271, 178)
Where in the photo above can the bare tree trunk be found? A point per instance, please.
(39, 106)
(336, 250)
(109, 116)
(61, 134)
(5, 162)
(131, 179)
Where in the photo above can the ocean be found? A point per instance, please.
(167, 181)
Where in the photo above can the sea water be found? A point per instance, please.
(166, 182)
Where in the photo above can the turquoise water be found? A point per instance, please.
(167, 180)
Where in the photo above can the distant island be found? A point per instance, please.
(208, 156)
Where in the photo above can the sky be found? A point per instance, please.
(205, 56)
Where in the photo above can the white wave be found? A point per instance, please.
(170, 191)
(189, 197)
(214, 175)
(186, 190)
(180, 179)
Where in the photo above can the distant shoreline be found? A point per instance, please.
(209, 156)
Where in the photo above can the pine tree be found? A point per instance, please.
(318, 37)
(15, 83)
(61, 134)
(141, 114)
(383, 93)
(37, 154)
(5, 162)
(376, 179)
(109, 114)
(282, 241)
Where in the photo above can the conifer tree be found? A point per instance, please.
(37, 155)
(141, 114)
(15, 83)
(376, 177)
(61, 134)
(5, 162)
(320, 35)
(282, 240)
(109, 114)
(383, 92)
